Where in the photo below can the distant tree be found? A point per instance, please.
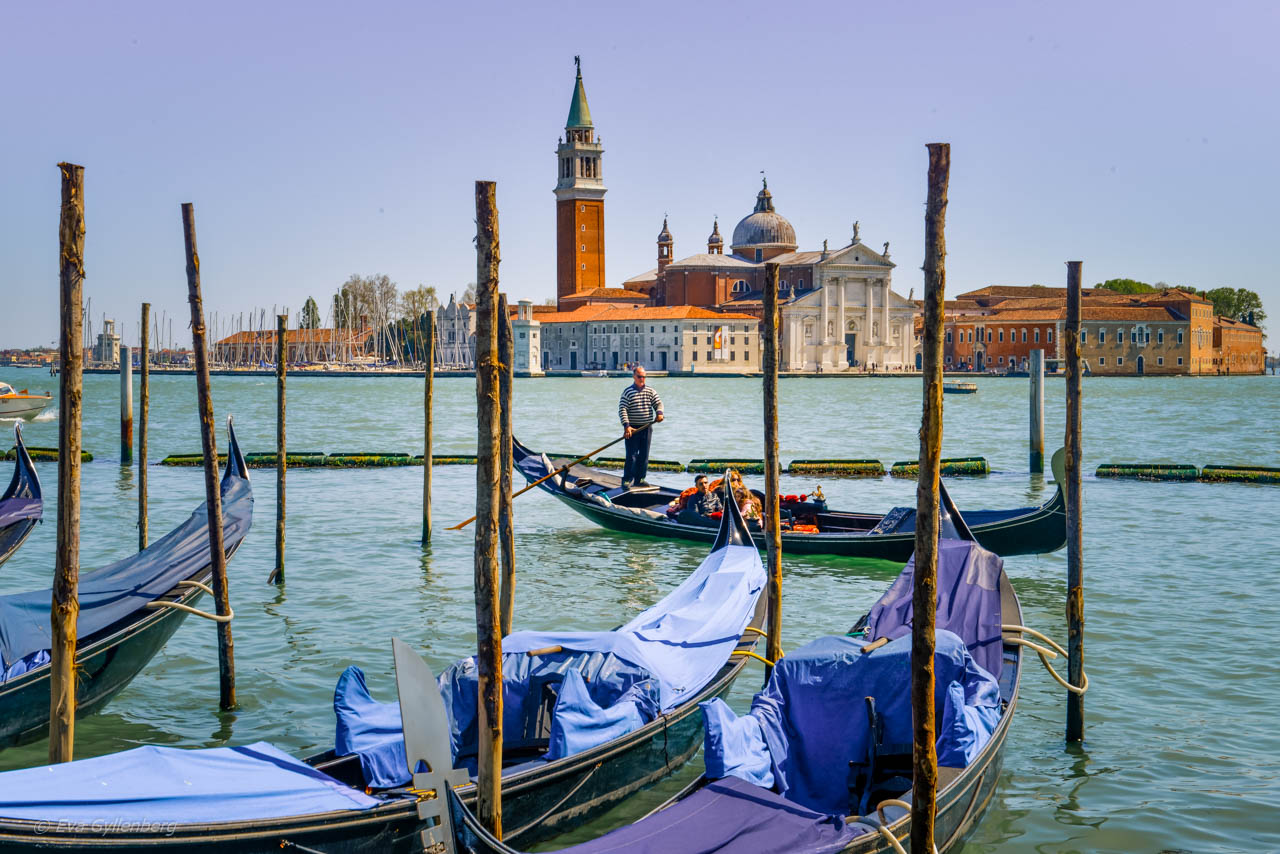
(417, 302)
(1126, 286)
(370, 297)
(549, 301)
(469, 295)
(310, 317)
(1236, 303)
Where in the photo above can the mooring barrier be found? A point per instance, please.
(843, 468)
(620, 462)
(48, 455)
(953, 467)
(1240, 474)
(1151, 471)
(714, 465)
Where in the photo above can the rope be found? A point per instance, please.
(217, 618)
(764, 635)
(751, 655)
(888, 834)
(1046, 654)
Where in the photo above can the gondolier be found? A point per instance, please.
(638, 407)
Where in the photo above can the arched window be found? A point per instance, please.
(740, 287)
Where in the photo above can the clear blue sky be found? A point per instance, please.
(319, 140)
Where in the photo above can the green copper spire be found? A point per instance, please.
(579, 112)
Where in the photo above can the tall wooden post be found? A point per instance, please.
(212, 491)
(282, 465)
(924, 754)
(428, 390)
(506, 527)
(772, 520)
(126, 406)
(1075, 527)
(488, 459)
(1036, 366)
(144, 406)
(65, 608)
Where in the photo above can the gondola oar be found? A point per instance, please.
(564, 468)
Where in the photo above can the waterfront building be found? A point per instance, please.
(255, 347)
(679, 339)
(579, 202)
(456, 335)
(107, 350)
(1171, 331)
(526, 335)
(838, 309)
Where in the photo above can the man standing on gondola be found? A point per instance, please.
(638, 408)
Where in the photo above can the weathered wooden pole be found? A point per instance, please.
(144, 406)
(1075, 527)
(488, 460)
(126, 406)
(428, 391)
(282, 360)
(772, 520)
(65, 608)
(212, 491)
(1036, 367)
(924, 754)
(506, 527)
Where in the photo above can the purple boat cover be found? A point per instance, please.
(968, 601)
(728, 816)
(17, 509)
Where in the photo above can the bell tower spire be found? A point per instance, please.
(579, 200)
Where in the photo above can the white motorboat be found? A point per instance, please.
(21, 404)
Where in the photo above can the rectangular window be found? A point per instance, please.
(1002, 360)
(1133, 336)
(695, 355)
(1119, 360)
(988, 336)
(1179, 360)
(521, 334)
(1179, 341)
(1037, 335)
(1049, 337)
(1102, 336)
(733, 356)
(1082, 337)
(1024, 336)
(731, 339)
(708, 355)
(1001, 336)
(1160, 337)
(948, 336)
(1102, 360)
(1159, 360)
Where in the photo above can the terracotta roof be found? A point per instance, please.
(618, 314)
(605, 293)
(1220, 320)
(708, 260)
(297, 336)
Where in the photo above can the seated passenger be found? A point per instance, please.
(750, 506)
(704, 502)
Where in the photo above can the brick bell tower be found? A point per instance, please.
(579, 201)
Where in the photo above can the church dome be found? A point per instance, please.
(764, 227)
(664, 236)
(715, 239)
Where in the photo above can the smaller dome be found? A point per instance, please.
(764, 226)
(664, 236)
(715, 239)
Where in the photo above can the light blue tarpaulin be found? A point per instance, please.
(815, 725)
(165, 785)
(114, 592)
(665, 655)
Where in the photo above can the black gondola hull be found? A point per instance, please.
(25, 483)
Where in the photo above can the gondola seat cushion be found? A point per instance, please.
(814, 723)
(579, 723)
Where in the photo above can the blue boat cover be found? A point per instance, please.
(17, 509)
(114, 592)
(815, 725)
(728, 816)
(653, 663)
(150, 787)
(968, 601)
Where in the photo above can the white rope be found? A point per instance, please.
(1046, 654)
(885, 832)
(217, 618)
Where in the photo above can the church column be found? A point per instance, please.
(870, 325)
(826, 313)
(884, 313)
(842, 359)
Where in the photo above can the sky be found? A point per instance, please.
(319, 140)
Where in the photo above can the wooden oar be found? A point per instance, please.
(564, 468)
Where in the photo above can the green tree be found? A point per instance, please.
(1236, 303)
(310, 317)
(1126, 286)
(417, 302)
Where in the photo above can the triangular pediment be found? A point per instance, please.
(858, 254)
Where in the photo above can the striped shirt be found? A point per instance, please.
(636, 407)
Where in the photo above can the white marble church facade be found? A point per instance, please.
(851, 319)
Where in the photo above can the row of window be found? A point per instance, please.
(1013, 335)
(1140, 335)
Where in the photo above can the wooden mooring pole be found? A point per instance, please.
(506, 527)
(1075, 528)
(924, 754)
(144, 407)
(773, 522)
(282, 465)
(1036, 368)
(126, 406)
(66, 575)
(428, 391)
(212, 490)
(488, 460)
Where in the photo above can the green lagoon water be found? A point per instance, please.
(1182, 579)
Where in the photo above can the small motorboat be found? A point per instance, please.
(21, 404)
(959, 387)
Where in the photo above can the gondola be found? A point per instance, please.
(21, 506)
(258, 799)
(128, 611)
(600, 496)
(838, 713)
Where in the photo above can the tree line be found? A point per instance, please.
(1236, 303)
